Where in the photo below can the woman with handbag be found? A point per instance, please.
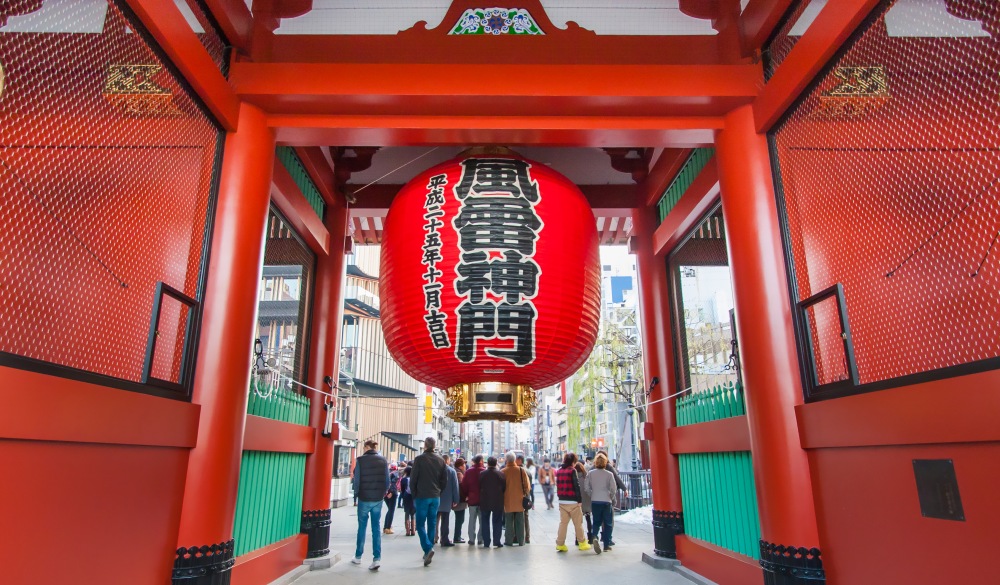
(514, 500)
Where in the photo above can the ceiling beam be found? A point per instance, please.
(605, 200)
(760, 19)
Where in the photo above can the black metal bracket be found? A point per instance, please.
(181, 385)
(316, 525)
(205, 565)
(815, 388)
(666, 527)
(789, 565)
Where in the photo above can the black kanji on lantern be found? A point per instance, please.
(434, 318)
(497, 229)
(497, 175)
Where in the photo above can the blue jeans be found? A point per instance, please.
(374, 510)
(603, 520)
(427, 513)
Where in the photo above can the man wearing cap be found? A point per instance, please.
(427, 478)
(371, 481)
(390, 499)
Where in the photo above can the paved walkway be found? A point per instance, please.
(537, 563)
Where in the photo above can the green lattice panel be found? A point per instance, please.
(720, 501)
(293, 164)
(722, 401)
(697, 161)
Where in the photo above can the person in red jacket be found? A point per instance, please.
(470, 492)
(570, 496)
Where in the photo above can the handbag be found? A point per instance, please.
(526, 502)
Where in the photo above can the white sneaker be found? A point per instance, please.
(356, 560)
(375, 565)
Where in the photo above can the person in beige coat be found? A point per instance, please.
(517, 487)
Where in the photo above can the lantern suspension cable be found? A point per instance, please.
(394, 170)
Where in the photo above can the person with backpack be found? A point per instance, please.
(406, 497)
(390, 499)
(470, 491)
(515, 497)
(547, 478)
(371, 481)
(463, 503)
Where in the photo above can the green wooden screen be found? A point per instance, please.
(279, 405)
(717, 489)
(723, 401)
(697, 161)
(269, 501)
(292, 163)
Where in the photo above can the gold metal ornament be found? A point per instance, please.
(858, 90)
(491, 401)
(131, 87)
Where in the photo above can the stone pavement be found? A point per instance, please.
(537, 563)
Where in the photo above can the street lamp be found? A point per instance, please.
(629, 385)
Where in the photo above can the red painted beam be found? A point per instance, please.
(718, 564)
(235, 20)
(293, 205)
(690, 209)
(717, 436)
(953, 410)
(270, 563)
(821, 41)
(760, 19)
(264, 434)
(406, 84)
(174, 35)
(660, 176)
(420, 130)
(38, 407)
(606, 200)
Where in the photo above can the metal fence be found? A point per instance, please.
(640, 490)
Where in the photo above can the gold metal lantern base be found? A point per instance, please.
(491, 401)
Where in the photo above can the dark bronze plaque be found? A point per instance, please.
(937, 488)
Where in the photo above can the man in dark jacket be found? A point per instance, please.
(371, 481)
(492, 484)
(470, 490)
(427, 478)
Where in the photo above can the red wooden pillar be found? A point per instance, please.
(222, 376)
(654, 309)
(328, 311)
(767, 342)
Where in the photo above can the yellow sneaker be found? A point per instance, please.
(583, 546)
(561, 548)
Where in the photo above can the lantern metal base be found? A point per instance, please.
(491, 401)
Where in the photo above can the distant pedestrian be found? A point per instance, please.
(600, 486)
(450, 497)
(371, 481)
(409, 512)
(470, 490)
(531, 495)
(391, 495)
(585, 504)
(492, 484)
(427, 480)
(547, 479)
(463, 503)
(570, 497)
(516, 491)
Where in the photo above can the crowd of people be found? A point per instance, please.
(494, 496)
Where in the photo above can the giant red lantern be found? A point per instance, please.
(490, 282)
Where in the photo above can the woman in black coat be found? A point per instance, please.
(491, 488)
